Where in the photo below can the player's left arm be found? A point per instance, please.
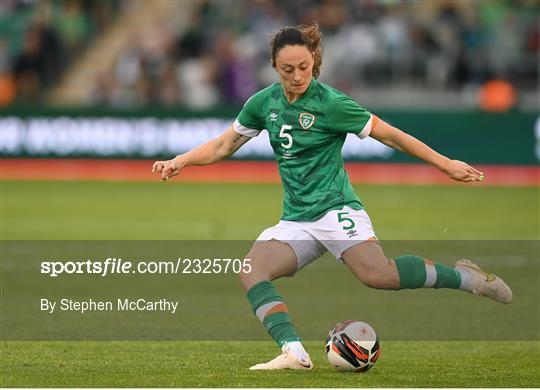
(399, 140)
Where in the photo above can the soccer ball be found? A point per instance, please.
(352, 346)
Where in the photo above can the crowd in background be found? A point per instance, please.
(222, 57)
(40, 38)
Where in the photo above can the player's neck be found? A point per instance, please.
(292, 97)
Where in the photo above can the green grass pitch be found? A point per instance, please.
(506, 355)
(219, 364)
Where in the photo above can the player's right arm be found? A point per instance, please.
(247, 125)
(208, 153)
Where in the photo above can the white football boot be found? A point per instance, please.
(285, 361)
(486, 284)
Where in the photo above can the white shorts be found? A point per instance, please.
(336, 231)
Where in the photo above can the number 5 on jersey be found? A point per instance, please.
(342, 218)
(283, 134)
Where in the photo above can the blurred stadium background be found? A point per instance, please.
(86, 83)
(200, 54)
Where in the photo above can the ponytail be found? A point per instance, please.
(312, 34)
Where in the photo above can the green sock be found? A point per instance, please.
(269, 308)
(416, 272)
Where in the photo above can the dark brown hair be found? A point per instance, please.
(303, 35)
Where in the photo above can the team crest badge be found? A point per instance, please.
(306, 120)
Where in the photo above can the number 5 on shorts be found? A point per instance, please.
(341, 218)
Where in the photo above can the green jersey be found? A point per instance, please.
(307, 137)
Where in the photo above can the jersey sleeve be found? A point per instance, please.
(346, 116)
(249, 121)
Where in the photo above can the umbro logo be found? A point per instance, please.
(273, 117)
(352, 233)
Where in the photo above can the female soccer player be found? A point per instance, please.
(308, 122)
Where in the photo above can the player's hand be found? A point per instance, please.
(460, 171)
(168, 168)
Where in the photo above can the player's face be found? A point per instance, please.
(294, 65)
